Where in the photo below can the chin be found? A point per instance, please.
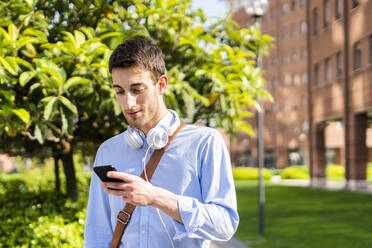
(135, 124)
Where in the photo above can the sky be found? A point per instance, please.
(213, 8)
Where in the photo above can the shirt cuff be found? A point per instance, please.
(189, 211)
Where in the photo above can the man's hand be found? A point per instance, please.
(138, 192)
(135, 190)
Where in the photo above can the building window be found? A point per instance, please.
(270, 158)
(284, 33)
(287, 80)
(303, 53)
(305, 126)
(304, 78)
(275, 84)
(370, 49)
(294, 57)
(293, 5)
(286, 107)
(339, 64)
(273, 13)
(287, 128)
(276, 108)
(293, 30)
(327, 70)
(303, 27)
(295, 128)
(304, 101)
(338, 9)
(295, 103)
(326, 13)
(286, 60)
(302, 3)
(244, 159)
(274, 62)
(357, 57)
(268, 85)
(316, 75)
(315, 21)
(296, 80)
(285, 8)
(355, 3)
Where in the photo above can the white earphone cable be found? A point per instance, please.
(157, 210)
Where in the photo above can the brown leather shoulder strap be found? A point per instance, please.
(125, 214)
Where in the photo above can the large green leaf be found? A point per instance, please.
(10, 65)
(56, 75)
(75, 81)
(26, 77)
(13, 32)
(64, 121)
(38, 134)
(110, 35)
(66, 102)
(22, 114)
(26, 40)
(50, 108)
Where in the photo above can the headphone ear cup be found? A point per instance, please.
(133, 139)
(157, 138)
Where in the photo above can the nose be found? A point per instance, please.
(130, 101)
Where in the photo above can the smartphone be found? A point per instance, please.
(101, 172)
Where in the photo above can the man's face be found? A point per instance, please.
(139, 98)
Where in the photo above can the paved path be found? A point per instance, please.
(367, 188)
(233, 243)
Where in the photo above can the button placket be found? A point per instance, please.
(143, 227)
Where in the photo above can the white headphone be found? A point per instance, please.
(157, 137)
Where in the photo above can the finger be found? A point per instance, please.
(114, 192)
(122, 176)
(117, 186)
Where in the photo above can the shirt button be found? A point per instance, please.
(143, 231)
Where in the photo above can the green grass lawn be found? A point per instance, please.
(304, 217)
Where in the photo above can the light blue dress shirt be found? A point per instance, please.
(196, 167)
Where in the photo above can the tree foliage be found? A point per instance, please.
(55, 86)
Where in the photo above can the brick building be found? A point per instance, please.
(315, 97)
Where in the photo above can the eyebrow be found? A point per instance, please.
(132, 85)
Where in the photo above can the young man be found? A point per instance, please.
(192, 185)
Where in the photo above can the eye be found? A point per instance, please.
(137, 90)
(119, 91)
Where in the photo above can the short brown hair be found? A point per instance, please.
(138, 52)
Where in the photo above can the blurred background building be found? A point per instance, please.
(320, 75)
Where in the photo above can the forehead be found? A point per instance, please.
(125, 77)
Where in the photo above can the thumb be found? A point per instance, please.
(121, 175)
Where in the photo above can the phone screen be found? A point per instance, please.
(101, 172)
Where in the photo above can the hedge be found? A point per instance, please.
(249, 173)
(295, 172)
(34, 215)
(335, 170)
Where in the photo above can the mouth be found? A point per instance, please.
(133, 114)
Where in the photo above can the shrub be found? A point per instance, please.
(369, 169)
(335, 170)
(249, 173)
(295, 172)
(34, 215)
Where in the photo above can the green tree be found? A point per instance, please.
(56, 89)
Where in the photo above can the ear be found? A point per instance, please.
(162, 84)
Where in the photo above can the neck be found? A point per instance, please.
(160, 114)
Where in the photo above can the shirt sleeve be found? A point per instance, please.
(215, 216)
(98, 230)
